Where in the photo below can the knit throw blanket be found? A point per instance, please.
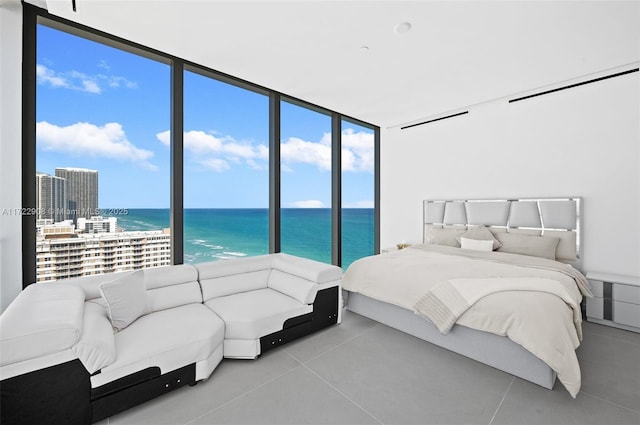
(448, 300)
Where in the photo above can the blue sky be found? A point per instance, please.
(105, 109)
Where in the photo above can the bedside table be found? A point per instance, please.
(616, 301)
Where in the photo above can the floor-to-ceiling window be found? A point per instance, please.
(358, 192)
(305, 158)
(113, 188)
(102, 177)
(226, 170)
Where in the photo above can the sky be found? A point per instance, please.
(108, 110)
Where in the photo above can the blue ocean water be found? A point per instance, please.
(215, 234)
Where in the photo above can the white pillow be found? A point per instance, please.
(481, 233)
(476, 244)
(126, 299)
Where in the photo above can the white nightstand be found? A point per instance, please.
(616, 300)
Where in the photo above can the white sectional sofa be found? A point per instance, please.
(62, 361)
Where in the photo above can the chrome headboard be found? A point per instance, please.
(558, 217)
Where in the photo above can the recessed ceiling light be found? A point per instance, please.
(364, 49)
(402, 27)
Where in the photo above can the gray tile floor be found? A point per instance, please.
(363, 372)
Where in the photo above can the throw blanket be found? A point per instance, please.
(448, 300)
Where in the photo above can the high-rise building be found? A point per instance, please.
(63, 253)
(51, 197)
(97, 224)
(82, 191)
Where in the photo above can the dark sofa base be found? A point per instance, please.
(129, 396)
(59, 394)
(324, 314)
(62, 394)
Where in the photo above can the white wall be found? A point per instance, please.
(582, 142)
(10, 151)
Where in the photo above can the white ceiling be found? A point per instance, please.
(455, 55)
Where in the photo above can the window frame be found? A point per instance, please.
(34, 16)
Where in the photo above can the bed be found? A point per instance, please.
(494, 280)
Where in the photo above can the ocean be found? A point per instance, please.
(217, 234)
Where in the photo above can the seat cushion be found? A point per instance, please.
(45, 318)
(168, 339)
(253, 314)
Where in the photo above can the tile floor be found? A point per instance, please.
(363, 372)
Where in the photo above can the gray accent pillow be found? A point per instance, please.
(536, 246)
(481, 233)
(447, 237)
(126, 299)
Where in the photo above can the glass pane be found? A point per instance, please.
(305, 155)
(102, 180)
(358, 187)
(226, 170)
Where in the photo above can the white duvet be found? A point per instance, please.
(543, 323)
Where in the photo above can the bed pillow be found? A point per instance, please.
(447, 237)
(476, 244)
(126, 299)
(536, 246)
(481, 233)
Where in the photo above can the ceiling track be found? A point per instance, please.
(570, 86)
(435, 119)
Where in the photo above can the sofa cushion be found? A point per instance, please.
(294, 286)
(172, 286)
(312, 270)
(168, 339)
(253, 314)
(222, 278)
(45, 318)
(126, 299)
(96, 347)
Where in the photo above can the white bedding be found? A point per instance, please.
(541, 322)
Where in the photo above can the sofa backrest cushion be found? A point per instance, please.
(44, 318)
(91, 284)
(172, 286)
(221, 278)
(167, 287)
(311, 270)
(293, 285)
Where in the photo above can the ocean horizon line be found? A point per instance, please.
(234, 208)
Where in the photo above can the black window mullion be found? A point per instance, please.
(29, 46)
(274, 173)
(336, 189)
(177, 154)
(376, 196)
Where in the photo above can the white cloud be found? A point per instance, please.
(91, 86)
(216, 164)
(311, 203)
(295, 150)
(45, 75)
(357, 152)
(359, 204)
(75, 80)
(108, 141)
(104, 65)
(216, 152)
